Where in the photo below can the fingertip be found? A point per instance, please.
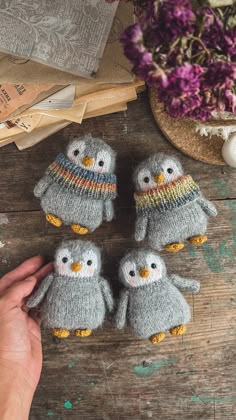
(25, 287)
(31, 265)
(44, 271)
(50, 265)
(37, 260)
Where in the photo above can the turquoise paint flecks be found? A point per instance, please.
(50, 413)
(232, 206)
(149, 369)
(68, 404)
(213, 399)
(192, 251)
(92, 383)
(226, 250)
(222, 187)
(211, 258)
(184, 345)
(72, 364)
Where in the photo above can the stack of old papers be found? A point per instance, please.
(37, 101)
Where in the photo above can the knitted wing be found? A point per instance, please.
(40, 292)
(120, 319)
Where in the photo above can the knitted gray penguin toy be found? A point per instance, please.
(78, 188)
(169, 205)
(151, 303)
(75, 297)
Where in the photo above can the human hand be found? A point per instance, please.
(20, 344)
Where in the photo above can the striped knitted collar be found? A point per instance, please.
(82, 181)
(167, 197)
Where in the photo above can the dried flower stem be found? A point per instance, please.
(194, 38)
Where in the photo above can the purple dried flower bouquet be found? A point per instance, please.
(188, 56)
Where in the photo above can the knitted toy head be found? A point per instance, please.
(159, 169)
(75, 297)
(169, 205)
(92, 153)
(78, 188)
(139, 267)
(151, 303)
(77, 259)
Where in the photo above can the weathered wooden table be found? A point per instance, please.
(112, 375)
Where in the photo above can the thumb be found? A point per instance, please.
(15, 294)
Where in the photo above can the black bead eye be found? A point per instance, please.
(89, 262)
(170, 170)
(101, 163)
(153, 265)
(146, 180)
(132, 273)
(76, 152)
(64, 260)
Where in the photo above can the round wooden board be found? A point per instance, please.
(181, 133)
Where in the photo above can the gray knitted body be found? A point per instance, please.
(74, 304)
(157, 307)
(79, 187)
(176, 225)
(170, 207)
(75, 296)
(71, 208)
(151, 302)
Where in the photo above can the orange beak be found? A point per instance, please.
(76, 267)
(144, 273)
(159, 178)
(87, 161)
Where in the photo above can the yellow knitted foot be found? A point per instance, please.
(83, 333)
(157, 338)
(198, 240)
(55, 221)
(79, 229)
(179, 330)
(60, 333)
(174, 247)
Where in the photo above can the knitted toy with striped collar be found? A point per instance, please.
(169, 205)
(79, 187)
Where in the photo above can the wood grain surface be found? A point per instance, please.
(111, 375)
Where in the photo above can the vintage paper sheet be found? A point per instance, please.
(106, 110)
(59, 100)
(89, 104)
(69, 35)
(23, 141)
(12, 97)
(114, 67)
